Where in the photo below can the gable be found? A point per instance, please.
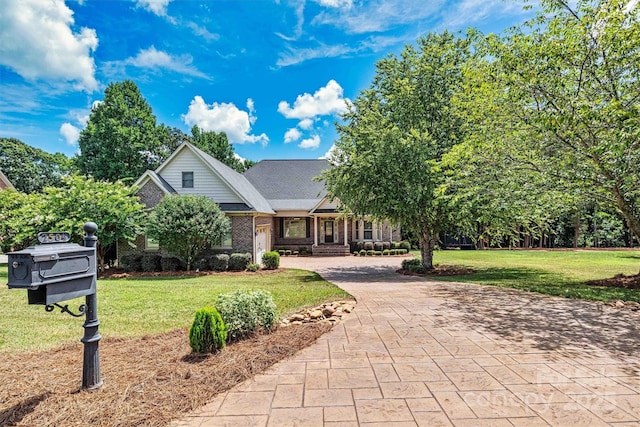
(205, 181)
(327, 206)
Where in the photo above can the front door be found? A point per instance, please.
(328, 231)
(262, 242)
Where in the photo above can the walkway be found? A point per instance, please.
(423, 353)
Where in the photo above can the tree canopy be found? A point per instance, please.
(387, 162)
(30, 169)
(217, 144)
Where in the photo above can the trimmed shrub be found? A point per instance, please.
(413, 265)
(363, 252)
(386, 252)
(246, 312)
(150, 262)
(287, 252)
(377, 246)
(271, 260)
(170, 263)
(131, 262)
(281, 252)
(392, 252)
(239, 262)
(405, 245)
(302, 250)
(219, 262)
(203, 263)
(208, 333)
(386, 245)
(368, 246)
(369, 252)
(253, 267)
(355, 253)
(377, 253)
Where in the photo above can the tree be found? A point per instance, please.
(121, 139)
(30, 169)
(113, 206)
(564, 86)
(217, 144)
(186, 225)
(11, 201)
(387, 161)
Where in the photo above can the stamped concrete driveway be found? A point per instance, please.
(428, 353)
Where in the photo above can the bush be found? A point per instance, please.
(131, 262)
(368, 246)
(377, 246)
(246, 312)
(377, 253)
(170, 263)
(369, 252)
(386, 245)
(281, 252)
(203, 263)
(208, 333)
(150, 263)
(405, 245)
(401, 251)
(392, 252)
(219, 262)
(302, 250)
(287, 252)
(271, 260)
(239, 262)
(413, 265)
(253, 267)
(363, 252)
(386, 252)
(355, 253)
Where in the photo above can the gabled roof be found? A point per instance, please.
(235, 181)
(4, 182)
(289, 184)
(157, 179)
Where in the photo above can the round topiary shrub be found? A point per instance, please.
(370, 253)
(253, 267)
(170, 263)
(150, 263)
(414, 265)
(363, 252)
(405, 245)
(368, 246)
(287, 252)
(271, 260)
(377, 253)
(355, 253)
(219, 262)
(131, 262)
(377, 246)
(386, 252)
(202, 263)
(246, 312)
(386, 245)
(239, 262)
(208, 333)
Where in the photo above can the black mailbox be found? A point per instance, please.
(53, 272)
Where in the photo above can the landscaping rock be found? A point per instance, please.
(325, 313)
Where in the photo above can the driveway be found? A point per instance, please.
(427, 353)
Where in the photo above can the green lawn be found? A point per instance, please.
(550, 272)
(136, 307)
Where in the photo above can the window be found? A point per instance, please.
(226, 241)
(368, 230)
(294, 228)
(187, 179)
(151, 244)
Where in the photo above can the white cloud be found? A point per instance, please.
(157, 7)
(224, 117)
(329, 154)
(296, 56)
(335, 3)
(36, 41)
(310, 143)
(156, 59)
(468, 12)
(70, 133)
(203, 32)
(305, 124)
(292, 135)
(326, 100)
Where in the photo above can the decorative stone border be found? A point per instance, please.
(331, 312)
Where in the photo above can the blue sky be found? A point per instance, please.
(273, 74)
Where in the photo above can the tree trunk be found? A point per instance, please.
(576, 231)
(427, 244)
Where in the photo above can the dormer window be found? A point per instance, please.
(187, 179)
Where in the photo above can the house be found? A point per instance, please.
(4, 182)
(275, 204)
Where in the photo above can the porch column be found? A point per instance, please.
(346, 243)
(315, 231)
(361, 230)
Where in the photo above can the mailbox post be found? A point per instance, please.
(57, 271)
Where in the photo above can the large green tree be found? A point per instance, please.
(563, 90)
(387, 161)
(186, 225)
(217, 144)
(112, 206)
(30, 169)
(121, 139)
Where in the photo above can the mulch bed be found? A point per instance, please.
(618, 281)
(439, 270)
(148, 381)
(115, 273)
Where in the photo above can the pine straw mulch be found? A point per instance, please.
(618, 281)
(439, 270)
(148, 381)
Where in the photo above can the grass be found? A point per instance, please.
(560, 273)
(137, 307)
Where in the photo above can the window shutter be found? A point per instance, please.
(281, 228)
(308, 227)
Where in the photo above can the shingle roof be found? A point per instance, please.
(289, 184)
(237, 182)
